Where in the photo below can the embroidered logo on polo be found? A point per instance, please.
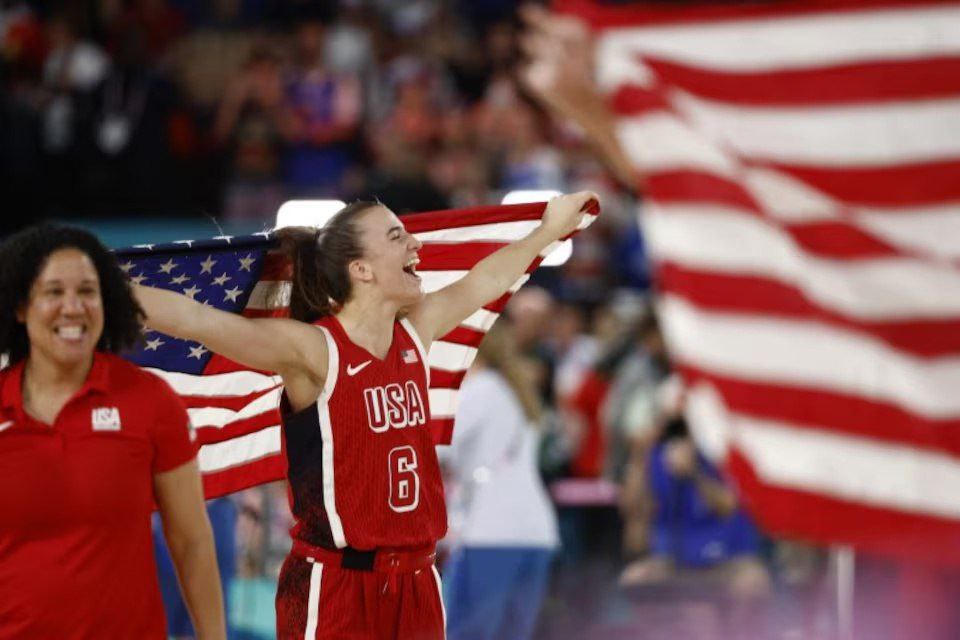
(105, 419)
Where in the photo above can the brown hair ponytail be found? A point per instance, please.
(320, 260)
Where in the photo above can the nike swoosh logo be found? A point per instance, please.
(354, 370)
(6, 425)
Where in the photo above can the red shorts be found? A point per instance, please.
(389, 595)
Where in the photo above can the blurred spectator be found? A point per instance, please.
(457, 169)
(349, 43)
(411, 94)
(614, 332)
(22, 44)
(699, 536)
(635, 403)
(640, 397)
(159, 22)
(409, 85)
(574, 348)
(21, 159)
(130, 167)
(399, 179)
(73, 68)
(503, 528)
(249, 127)
(494, 116)
(73, 63)
(530, 310)
(322, 113)
(530, 161)
(263, 540)
(414, 117)
(407, 17)
(583, 411)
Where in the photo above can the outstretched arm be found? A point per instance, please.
(441, 311)
(287, 347)
(559, 75)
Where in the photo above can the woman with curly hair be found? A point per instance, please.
(89, 443)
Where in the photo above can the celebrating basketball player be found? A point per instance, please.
(365, 485)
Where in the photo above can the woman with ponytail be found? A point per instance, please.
(364, 479)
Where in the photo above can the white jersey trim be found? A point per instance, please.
(408, 327)
(326, 435)
(313, 601)
(443, 609)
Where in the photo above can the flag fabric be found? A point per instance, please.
(235, 411)
(801, 165)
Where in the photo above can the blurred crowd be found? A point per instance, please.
(229, 108)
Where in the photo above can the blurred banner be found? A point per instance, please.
(235, 411)
(802, 166)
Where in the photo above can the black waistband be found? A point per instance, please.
(359, 560)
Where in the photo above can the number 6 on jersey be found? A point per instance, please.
(404, 481)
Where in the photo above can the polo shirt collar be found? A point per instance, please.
(98, 376)
(11, 396)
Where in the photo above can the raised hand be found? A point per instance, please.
(564, 213)
(559, 75)
(559, 71)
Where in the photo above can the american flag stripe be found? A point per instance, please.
(828, 517)
(799, 458)
(829, 410)
(240, 450)
(259, 467)
(917, 481)
(219, 385)
(235, 411)
(923, 229)
(900, 187)
(219, 417)
(754, 189)
(820, 238)
(732, 293)
(802, 165)
(674, 142)
(789, 351)
(826, 135)
(840, 84)
(714, 37)
(712, 239)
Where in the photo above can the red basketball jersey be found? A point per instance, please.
(362, 466)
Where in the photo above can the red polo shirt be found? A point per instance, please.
(76, 557)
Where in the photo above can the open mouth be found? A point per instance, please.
(71, 333)
(411, 267)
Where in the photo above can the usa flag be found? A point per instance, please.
(235, 411)
(802, 165)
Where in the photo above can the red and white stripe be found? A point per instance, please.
(236, 412)
(802, 169)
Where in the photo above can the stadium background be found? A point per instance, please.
(156, 120)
